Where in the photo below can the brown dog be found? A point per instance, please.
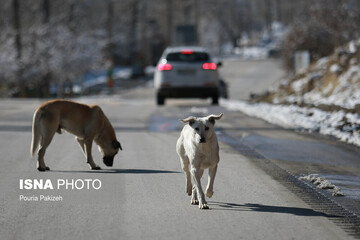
(87, 123)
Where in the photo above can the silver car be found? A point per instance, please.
(186, 72)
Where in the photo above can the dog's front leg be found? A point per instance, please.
(209, 189)
(194, 196)
(185, 167)
(196, 174)
(90, 161)
(82, 145)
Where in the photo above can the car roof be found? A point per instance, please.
(180, 48)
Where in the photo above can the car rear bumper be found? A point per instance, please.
(188, 92)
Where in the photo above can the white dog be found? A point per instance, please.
(198, 149)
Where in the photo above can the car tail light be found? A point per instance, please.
(209, 66)
(209, 84)
(187, 51)
(165, 85)
(164, 67)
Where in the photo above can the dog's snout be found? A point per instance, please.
(108, 160)
(202, 140)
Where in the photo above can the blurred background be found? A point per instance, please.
(70, 47)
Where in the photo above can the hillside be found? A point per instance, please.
(331, 83)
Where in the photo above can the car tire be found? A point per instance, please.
(215, 100)
(160, 100)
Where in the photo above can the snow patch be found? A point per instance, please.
(322, 63)
(298, 85)
(252, 53)
(344, 126)
(322, 183)
(352, 47)
(335, 68)
(199, 110)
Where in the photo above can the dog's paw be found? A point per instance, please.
(209, 193)
(203, 206)
(42, 169)
(96, 168)
(47, 168)
(194, 202)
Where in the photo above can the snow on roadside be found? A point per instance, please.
(344, 126)
(345, 94)
(323, 183)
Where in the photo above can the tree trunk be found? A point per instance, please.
(17, 28)
(46, 11)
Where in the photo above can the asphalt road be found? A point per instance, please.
(251, 77)
(143, 195)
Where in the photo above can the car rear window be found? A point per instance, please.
(192, 57)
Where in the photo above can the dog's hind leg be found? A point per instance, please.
(196, 174)
(45, 142)
(90, 161)
(210, 186)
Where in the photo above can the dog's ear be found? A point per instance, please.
(213, 117)
(189, 120)
(116, 144)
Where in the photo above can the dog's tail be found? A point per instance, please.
(36, 135)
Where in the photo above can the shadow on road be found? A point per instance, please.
(124, 171)
(266, 208)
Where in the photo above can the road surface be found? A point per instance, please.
(143, 195)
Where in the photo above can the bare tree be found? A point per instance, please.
(70, 37)
(46, 11)
(17, 28)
